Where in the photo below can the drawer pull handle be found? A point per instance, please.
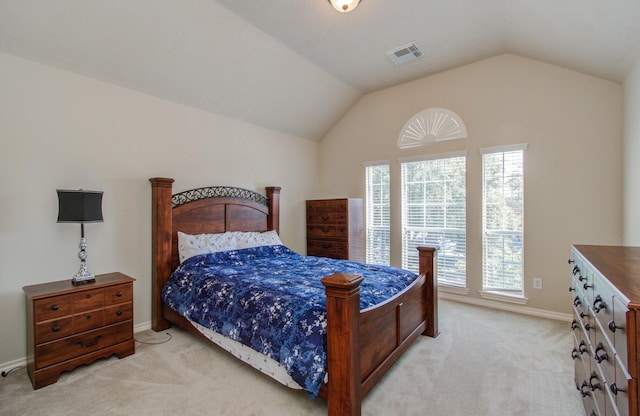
(88, 316)
(614, 389)
(119, 313)
(574, 354)
(599, 304)
(576, 270)
(95, 341)
(88, 295)
(55, 307)
(56, 328)
(584, 392)
(594, 386)
(576, 301)
(572, 289)
(612, 326)
(588, 327)
(600, 356)
(325, 218)
(574, 324)
(586, 285)
(570, 261)
(119, 294)
(582, 348)
(326, 229)
(581, 278)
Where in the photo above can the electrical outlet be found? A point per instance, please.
(537, 283)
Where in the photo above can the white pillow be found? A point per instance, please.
(192, 245)
(257, 239)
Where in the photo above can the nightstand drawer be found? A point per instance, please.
(54, 307)
(89, 299)
(117, 313)
(76, 345)
(118, 294)
(88, 320)
(54, 329)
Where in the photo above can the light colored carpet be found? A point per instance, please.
(485, 362)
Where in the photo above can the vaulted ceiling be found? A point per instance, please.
(297, 66)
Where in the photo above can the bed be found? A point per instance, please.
(361, 345)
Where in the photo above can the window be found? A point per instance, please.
(434, 213)
(377, 213)
(503, 219)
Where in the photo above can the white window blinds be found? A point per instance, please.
(378, 241)
(434, 213)
(503, 218)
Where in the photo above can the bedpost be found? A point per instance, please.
(343, 360)
(161, 246)
(427, 257)
(273, 219)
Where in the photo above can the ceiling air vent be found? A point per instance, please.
(405, 53)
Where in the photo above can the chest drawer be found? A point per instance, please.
(88, 299)
(118, 294)
(53, 307)
(74, 346)
(53, 329)
(117, 313)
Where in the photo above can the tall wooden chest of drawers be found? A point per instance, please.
(605, 292)
(71, 325)
(335, 228)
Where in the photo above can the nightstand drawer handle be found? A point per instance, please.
(55, 307)
(119, 294)
(81, 342)
(88, 316)
(119, 313)
(56, 328)
(88, 295)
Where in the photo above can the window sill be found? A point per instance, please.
(458, 290)
(519, 299)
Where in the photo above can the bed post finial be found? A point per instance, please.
(161, 246)
(273, 219)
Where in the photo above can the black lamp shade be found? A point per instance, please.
(79, 206)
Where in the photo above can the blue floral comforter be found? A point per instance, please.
(271, 299)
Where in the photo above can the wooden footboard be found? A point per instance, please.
(363, 345)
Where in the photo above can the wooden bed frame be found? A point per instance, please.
(361, 345)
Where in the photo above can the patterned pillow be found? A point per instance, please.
(192, 245)
(256, 239)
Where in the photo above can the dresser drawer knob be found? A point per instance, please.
(119, 294)
(88, 295)
(55, 307)
(612, 326)
(56, 328)
(572, 289)
(586, 285)
(574, 324)
(614, 389)
(119, 313)
(574, 353)
(576, 270)
(598, 304)
(88, 316)
(582, 348)
(325, 218)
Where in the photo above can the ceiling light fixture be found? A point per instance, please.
(344, 6)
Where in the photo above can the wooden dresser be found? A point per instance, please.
(335, 228)
(72, 325)
(605, 292)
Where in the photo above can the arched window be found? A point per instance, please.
(431, 125)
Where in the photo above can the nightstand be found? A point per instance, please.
(69, 325)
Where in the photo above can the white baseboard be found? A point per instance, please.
(21, 362)
(540, 313)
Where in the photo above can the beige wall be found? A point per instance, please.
(573, 174)
(60, 130)
(632, 157)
